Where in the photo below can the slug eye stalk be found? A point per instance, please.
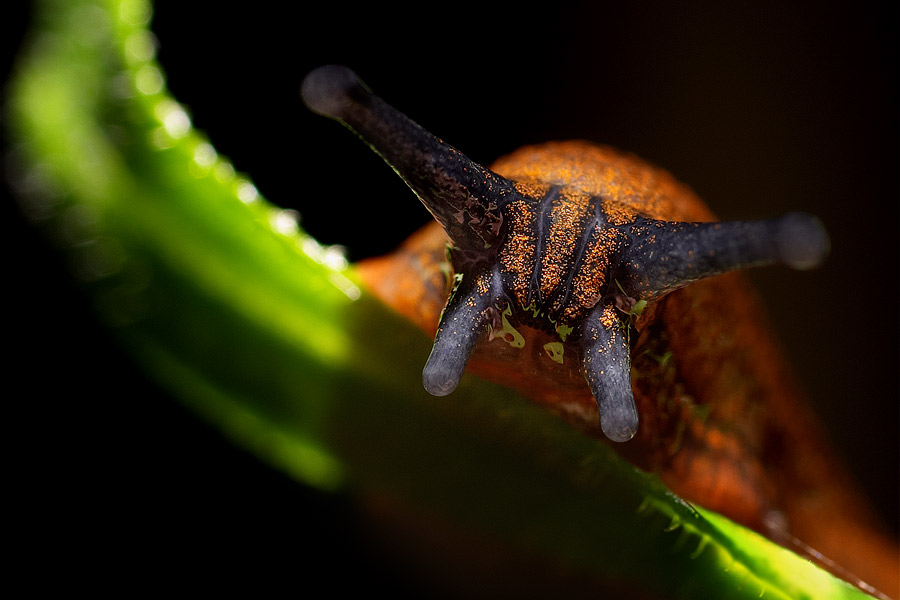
(464, 197)
(506, 249)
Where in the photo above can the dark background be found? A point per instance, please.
(762, 107)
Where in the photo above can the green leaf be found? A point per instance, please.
(268, 335)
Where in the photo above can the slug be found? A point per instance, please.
(604, 289)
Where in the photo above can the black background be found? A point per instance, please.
(762, 107)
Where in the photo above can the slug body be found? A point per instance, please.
(568, 274)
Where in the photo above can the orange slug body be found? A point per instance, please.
(721, 420)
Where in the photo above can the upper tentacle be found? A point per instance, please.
(662, 256)
(464, 197)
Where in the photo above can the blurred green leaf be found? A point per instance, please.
(268, 335)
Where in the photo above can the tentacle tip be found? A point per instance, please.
(326, 90)
(619, 427)
(437, 381)
(802, 240)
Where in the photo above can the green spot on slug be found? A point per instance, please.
(563, 331)
(638, 308)
(555, 351)
(507, 332)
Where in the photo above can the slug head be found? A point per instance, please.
(549, 254)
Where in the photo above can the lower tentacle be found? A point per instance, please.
(461, 325)
(607, 368)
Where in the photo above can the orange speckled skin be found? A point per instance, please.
(721, 420)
